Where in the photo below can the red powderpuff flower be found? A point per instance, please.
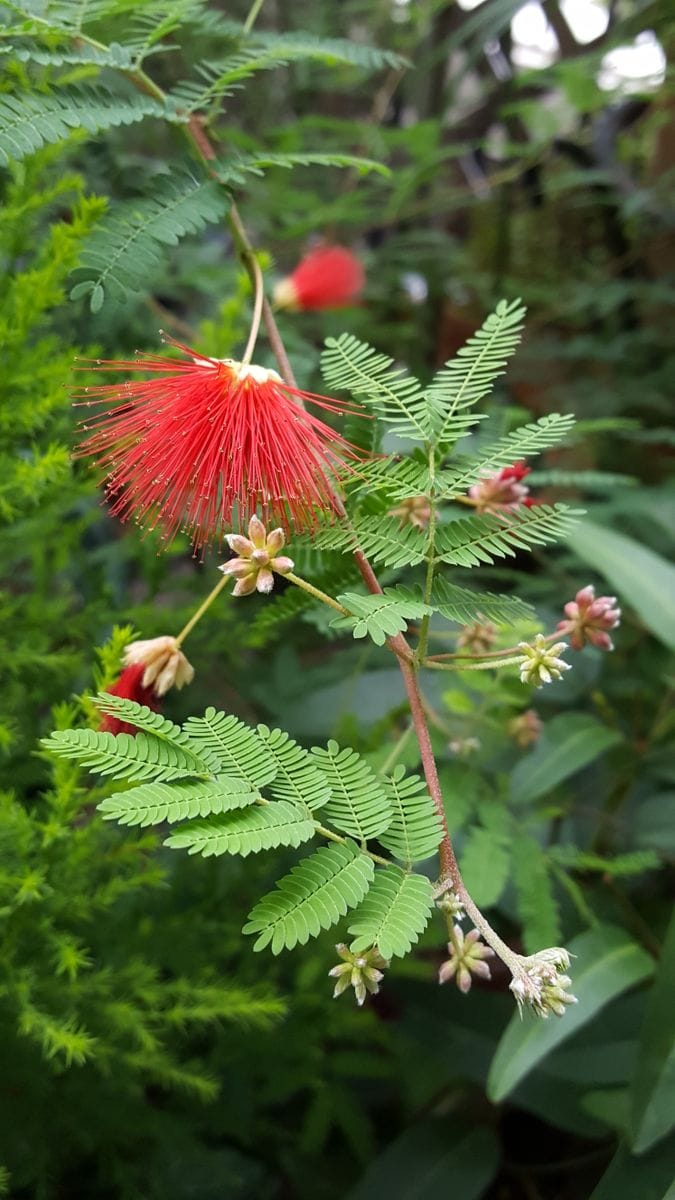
(208, 442)
(129, 686)
(328, 277)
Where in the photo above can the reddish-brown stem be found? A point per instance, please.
(448, 861)
(446, 853)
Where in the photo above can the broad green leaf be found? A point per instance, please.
(649, 1177)
(640, 577)
(606, 962)
(568, 743)
(654, 823)
(653, 1090)
(432, 1159)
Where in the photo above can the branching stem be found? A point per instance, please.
(450, 873)
(317, 593)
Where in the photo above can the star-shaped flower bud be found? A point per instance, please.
(589, 619)
(542, 984)
(540, 662)
(478, 638)
(467, 958)
(361, 971)
(414, 511)
(165, 664)
(258, 559)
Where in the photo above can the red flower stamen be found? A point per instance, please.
(209, 443)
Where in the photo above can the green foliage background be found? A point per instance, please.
(147, 1052)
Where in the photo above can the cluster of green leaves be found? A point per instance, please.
(211, 775)
(126, 248)
(588, 810)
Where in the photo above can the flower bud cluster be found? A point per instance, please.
(414, 511)
(540, 662)
(589, 619)
(467, 958)
(258, 559)
(478, 638)
(526, 728)
(165, 664)
(502, 490)
(542, 984)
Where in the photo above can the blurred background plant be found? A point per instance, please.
(531, 155)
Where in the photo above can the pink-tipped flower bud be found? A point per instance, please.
(502, 490)
(259, 559)
(151, 667)
(165, 665)
(589, 619)
(467, 958)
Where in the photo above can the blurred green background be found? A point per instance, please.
(147, 1053)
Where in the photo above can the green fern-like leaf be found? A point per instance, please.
(125, 251)
(266, 52)
(635, 862)
(148, 720)
(529, 439)
(122, 756)
(469, 377)
(416, 831)
(331, 51)
(536, 904)
(380, 617)
(70, 16)
(246, 831)
(353, 366)
(359, 805)
(234, 170)
(587, 481)
(297, 778)
(384, 540)
(237, 748)
(155, 803)
(473, 540)
(114, 55)
(400, 479)
(32, 120)
(216, 80)
(312, 897)
(463, 605)
(394, 913)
